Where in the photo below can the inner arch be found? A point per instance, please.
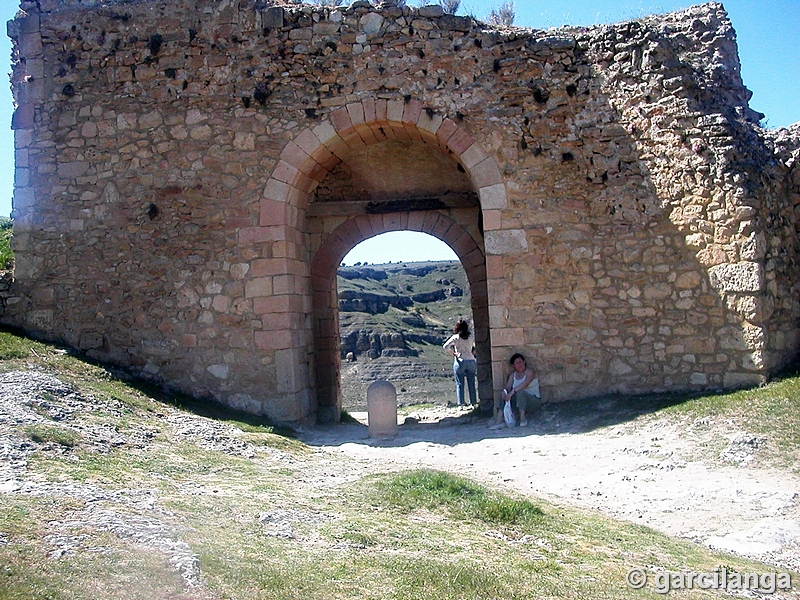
(324, 267)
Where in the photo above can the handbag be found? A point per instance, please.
(508, 414)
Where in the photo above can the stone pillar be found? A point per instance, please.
(382, 409)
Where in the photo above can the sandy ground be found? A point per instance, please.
(647, 472)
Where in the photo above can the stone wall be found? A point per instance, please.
(190, 174)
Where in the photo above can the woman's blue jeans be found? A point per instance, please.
(465, 369)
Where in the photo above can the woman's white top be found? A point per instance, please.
(461, 347)
(533, 386)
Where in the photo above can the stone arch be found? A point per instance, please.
(304, 163)
(325, 300)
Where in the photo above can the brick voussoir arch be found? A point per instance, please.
(307, 158)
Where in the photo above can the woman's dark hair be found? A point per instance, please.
(515, 357)
(462, 328)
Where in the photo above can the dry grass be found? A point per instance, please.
(287, 521)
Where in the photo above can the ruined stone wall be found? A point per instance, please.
(190, 174)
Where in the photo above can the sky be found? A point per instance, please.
(768, 34)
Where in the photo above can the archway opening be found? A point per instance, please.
(378, 166)
(400, 293)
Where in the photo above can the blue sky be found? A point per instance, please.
(768, 33)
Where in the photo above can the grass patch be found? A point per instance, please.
(47, 434)
(461, 497)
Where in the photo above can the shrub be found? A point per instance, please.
(6, 254)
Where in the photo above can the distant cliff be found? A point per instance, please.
(391, 310)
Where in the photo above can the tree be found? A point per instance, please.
(503, 15)
(450, 6)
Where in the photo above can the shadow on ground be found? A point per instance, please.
(454, 427)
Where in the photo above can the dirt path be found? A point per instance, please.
(651, 473)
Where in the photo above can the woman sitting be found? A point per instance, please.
(523, 387)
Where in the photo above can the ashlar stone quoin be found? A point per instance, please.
(189, 175)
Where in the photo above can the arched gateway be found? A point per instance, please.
(190, 173)
(378, 166)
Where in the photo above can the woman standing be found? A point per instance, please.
(461, 345)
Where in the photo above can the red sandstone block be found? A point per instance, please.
(269, 266)
(378, 131)
(258, 235)
(283, 284)
(494, 267)
(323, 156)
(460, 141)
(411, 111)
(394, 111)
(324, 259)
(279, 321)
(429, 223)
(273, 340)
(273, 212)
(416, 220)
(491, 220)
(445, 132)
(364, 227)
(353, 140)
(382, 131)
(366, 134)
(307, 141)
(464, 244)
(316, 175)
(474, 259)
(380, 110)
(340, 119)
(305, 182)
(294, 155)
(441, 227)
(412, 131)
(188, 340)
(369, 109)
(284, 172)
(395, 221)
(376, 221)
(273, 304)
(401, 134)
(346, 242)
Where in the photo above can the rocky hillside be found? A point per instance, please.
(393, 320)
(395, 310)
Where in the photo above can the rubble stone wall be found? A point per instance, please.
(190, 174)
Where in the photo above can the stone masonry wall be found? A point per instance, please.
(190, 174)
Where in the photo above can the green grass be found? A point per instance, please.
(6, 254)
(409, 534)
(56, 435)
(459, 496)
(771, 411)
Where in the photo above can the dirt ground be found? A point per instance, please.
(651, 472)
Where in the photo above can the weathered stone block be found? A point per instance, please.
(737, 277)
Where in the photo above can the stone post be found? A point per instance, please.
(382, 409)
